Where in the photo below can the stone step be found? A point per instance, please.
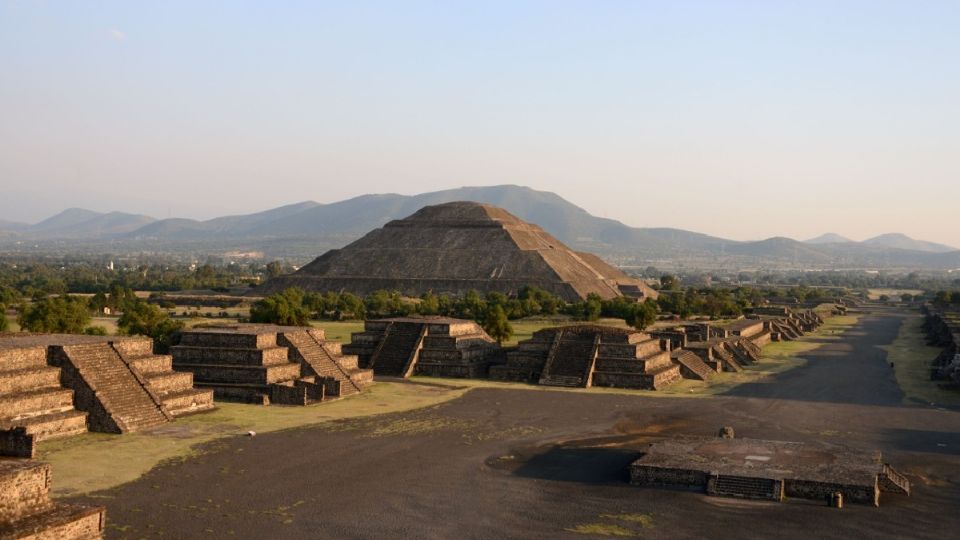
(52, 426)
(60, 522)
(31, 378)
(170, 381)
(134, 347)
(148, 365)
(214, 373)
(35, 403)
(229, 356)
(744, 487)
(23, 358)
(24, 489)
(188, 401)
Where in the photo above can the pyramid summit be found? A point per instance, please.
(454, 247)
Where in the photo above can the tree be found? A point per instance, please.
(148, 320)
(906, 297)
(495, 323)
(669, 282)
(429, 304)
(644, 315)
(286, 308)
(276, 269)
(4, 323)
(61, 315)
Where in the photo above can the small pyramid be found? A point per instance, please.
(455, 247)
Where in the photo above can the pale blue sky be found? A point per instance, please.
(739, 119)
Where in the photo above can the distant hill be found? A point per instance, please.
(307, 229)
(87, 224)
(902, 241)
(829, 238)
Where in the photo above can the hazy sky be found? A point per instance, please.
(739, 119)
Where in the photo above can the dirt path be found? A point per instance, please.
(521, 464)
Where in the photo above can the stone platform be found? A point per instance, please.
(767, 470)
(26, 510)
(260, 363)
(433, 346)
(55, 385)
(591, 355)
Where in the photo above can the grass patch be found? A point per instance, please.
(875, 294)
(911, 357)
(339, 330)
(644, 520)
(602, 529)
(97, 461)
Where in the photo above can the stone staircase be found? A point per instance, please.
(27, 512)
(115, 400)
(570, 361)
(398, 348)
(739, 352)
(691, 366)
(891, 481)
(323, 359)
(172, 390)
(31, 396)
(729, 362)
(744, 487)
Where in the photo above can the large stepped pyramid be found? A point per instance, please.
(26, 510)
(590, 355)
(433, 346)
(456, 247)
(257, 363)
(57, 385)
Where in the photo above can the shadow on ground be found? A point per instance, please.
(581, 465)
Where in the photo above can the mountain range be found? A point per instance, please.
(336, 224)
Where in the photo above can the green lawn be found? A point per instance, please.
(339, 330)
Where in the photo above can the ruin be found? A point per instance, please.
(942, 329)
(253, 363)
(590, 355)
(54, 385)
(767, 470)
(457, 247)
(26, 510)
(433, 346)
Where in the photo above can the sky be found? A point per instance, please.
(738, 119)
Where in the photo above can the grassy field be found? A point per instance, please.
(911, 357)
(96, 461)
(874, 294)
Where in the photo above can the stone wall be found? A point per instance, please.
(26, 510)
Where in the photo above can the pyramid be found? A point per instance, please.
(455, 247)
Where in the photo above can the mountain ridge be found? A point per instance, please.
(338, 223)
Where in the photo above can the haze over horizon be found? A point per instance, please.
(743, 121)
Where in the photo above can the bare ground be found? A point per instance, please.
(500, 463)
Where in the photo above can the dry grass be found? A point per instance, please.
(911, 357)
(602, 529)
